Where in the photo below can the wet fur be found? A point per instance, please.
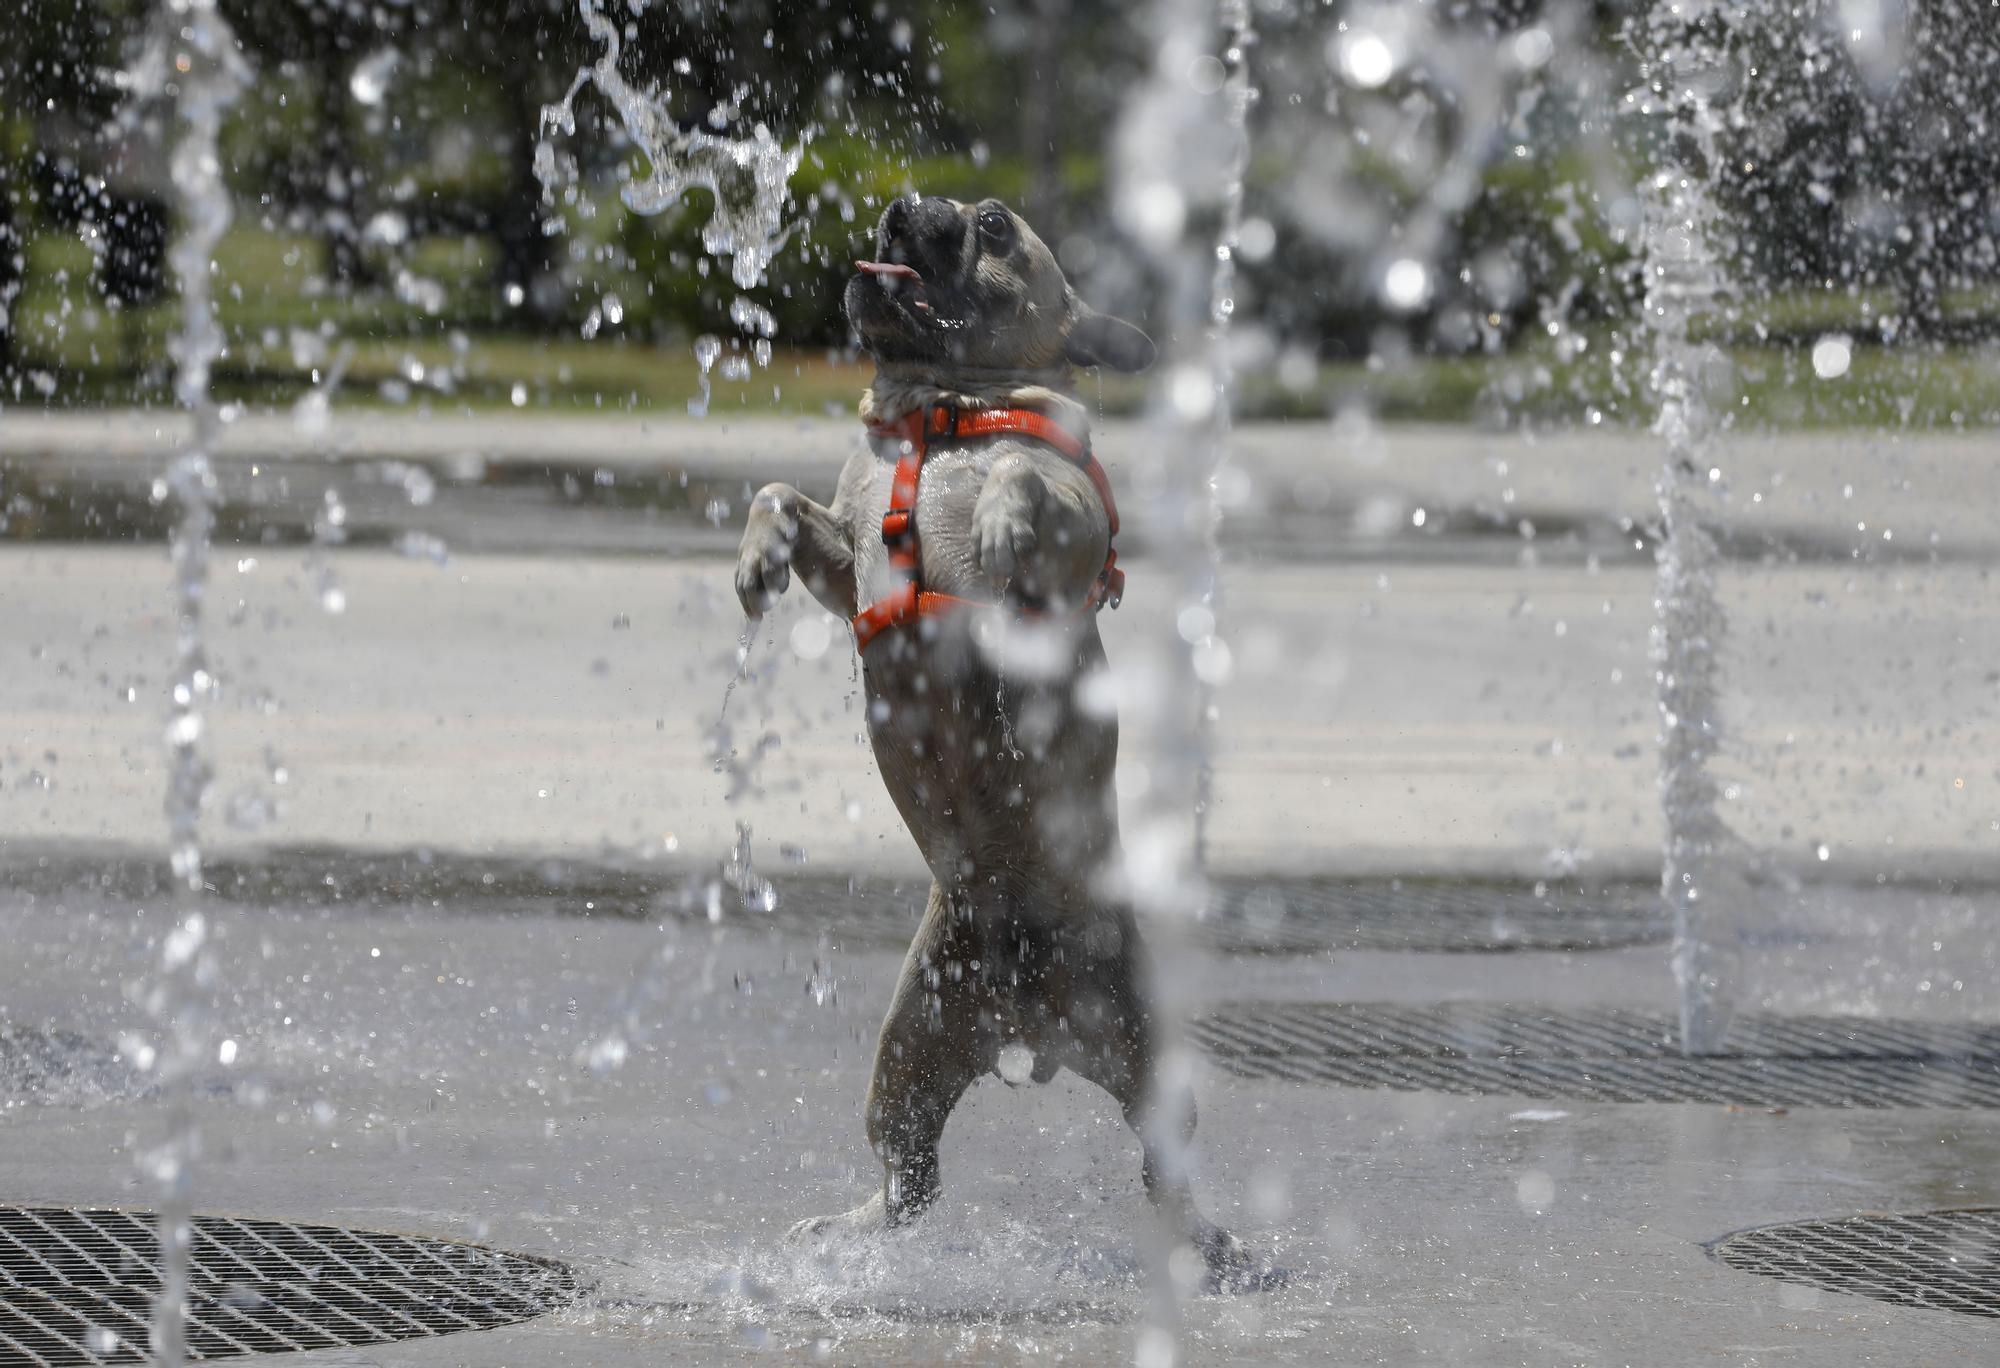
(1002, 777)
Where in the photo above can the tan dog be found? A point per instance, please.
(1004, 780)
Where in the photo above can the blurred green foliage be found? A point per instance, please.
(409, 225)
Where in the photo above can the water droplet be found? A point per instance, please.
(1016, 1064)
(1213, 662)
(372, 74)
(1406, 284)
(811, 636)
(751, 317)
(1206, 74)
(1533, 47)
(1832, 355)
(1365, 58)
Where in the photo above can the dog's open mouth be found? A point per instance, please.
(892, 275)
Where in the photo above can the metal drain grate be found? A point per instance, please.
(1940, 1260)
(76, 1287)
(1607, 1055)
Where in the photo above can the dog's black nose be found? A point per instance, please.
(935, 221)
(896, 218)
(931, 227)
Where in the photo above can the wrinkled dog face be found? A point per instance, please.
(970, 285)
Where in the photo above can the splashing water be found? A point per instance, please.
(1703, 876)
(749, 177)
(739, 871)
(1180, 150)
(724, 755)
(751, 317)
(1239, 95)
(191, 59)
(707, 348)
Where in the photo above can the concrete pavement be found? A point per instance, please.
(1386, 718)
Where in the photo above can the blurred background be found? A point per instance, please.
(383, 164)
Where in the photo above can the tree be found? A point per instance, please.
(1861, 157)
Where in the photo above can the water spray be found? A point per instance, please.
(1703, 878)
(192, 62)
(1181, 149)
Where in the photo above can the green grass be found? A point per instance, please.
(1798, 313)
(391, 348)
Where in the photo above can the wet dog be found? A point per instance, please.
(973, 589)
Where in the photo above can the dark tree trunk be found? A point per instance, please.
(12, 272)
(1917, 284)
(526, 255)
(1042, 117)
(335, 195)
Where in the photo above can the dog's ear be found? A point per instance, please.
(1098, 339)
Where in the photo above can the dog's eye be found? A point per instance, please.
(997, 227)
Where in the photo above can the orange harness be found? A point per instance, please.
(908, 600)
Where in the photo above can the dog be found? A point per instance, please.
(975, 499)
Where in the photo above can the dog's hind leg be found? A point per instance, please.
(1114, 1045)
(932, 1046)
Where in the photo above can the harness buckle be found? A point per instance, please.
(1111, 585)
(942, 421)
(897, 526)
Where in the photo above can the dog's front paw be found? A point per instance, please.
(763, 571)
(1003, 531)
(871, 1216)
(1232, 1269)
(764, 561)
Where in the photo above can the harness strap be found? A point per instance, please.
(907, 599)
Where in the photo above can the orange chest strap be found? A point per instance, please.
(907, 600)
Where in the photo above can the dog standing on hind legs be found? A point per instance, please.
(976, 498)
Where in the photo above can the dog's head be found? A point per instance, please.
(970, 286)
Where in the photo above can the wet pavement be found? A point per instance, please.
(604, 484)
(457, 821)
(432, 1073)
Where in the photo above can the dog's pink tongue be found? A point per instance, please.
(888, 268)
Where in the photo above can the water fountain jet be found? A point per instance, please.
(1703, 878)
(1177, 155)
(191, 60)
